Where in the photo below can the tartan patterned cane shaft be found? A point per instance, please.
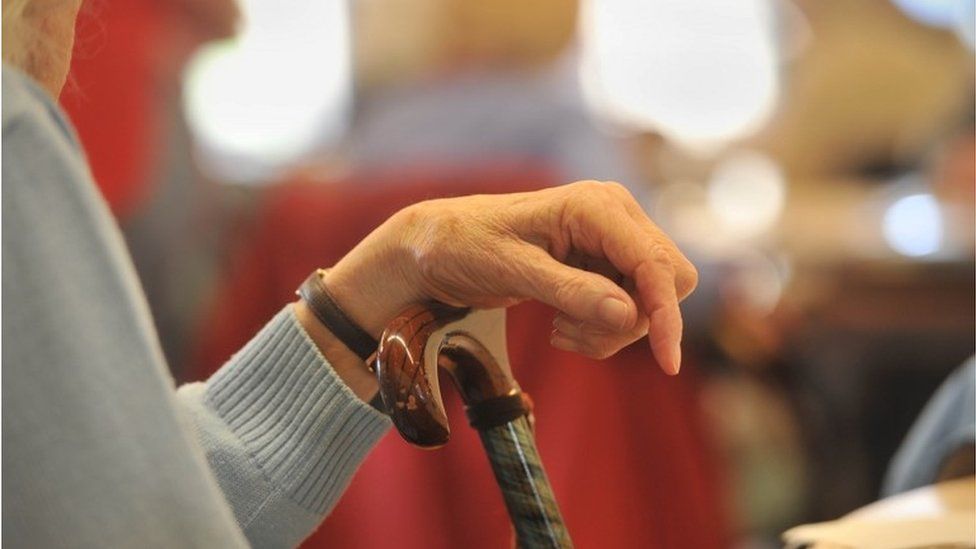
(525, 487)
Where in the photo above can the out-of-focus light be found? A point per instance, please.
(936, 13)
(258, 102)
(760, 280)
(746, 192)
(913, 225)
(680, 207)
(966, 23)
(701, 72)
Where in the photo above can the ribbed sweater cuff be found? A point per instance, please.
(301, 424)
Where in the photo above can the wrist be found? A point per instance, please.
(349, 367)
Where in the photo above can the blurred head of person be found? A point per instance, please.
(507, 33)
(398, 41)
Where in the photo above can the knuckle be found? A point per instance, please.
(434, 247)
(618, 189)
(590, 184)
(566, 291)
(594, 199)
(686, 279)
(427, 261)
(602, 191)
(572, 202)
(662, 258)
(585, 190)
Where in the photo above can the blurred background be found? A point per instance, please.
(815, 159)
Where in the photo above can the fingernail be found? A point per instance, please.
(676, 356)
(613, 312)
(560, 341)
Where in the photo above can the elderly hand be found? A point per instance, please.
(497, 250)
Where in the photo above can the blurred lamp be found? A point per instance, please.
(913, 225)
(701, 72)
(262, 100)
(746, 193)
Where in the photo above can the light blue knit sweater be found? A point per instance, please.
(99, 448)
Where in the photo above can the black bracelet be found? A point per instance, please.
(325, 308)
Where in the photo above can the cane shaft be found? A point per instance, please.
(524, 485)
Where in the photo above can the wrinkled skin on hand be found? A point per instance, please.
(587, 249)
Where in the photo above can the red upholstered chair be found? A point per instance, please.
(622, 442)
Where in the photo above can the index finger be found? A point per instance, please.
(604, 227)
(686, 276)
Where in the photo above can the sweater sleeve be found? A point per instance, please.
(281, 431)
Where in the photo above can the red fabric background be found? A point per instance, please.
(621, 441)
(110, 95)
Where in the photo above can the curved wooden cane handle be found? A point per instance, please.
(425, 337)
(407, 384)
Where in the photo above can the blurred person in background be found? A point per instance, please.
(942, 443)
(496, 84)
(100, 450)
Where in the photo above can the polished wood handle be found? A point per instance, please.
(408, 384)
(469, 345)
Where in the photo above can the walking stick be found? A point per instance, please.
(471, 347)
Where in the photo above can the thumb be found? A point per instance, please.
(583, 295)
